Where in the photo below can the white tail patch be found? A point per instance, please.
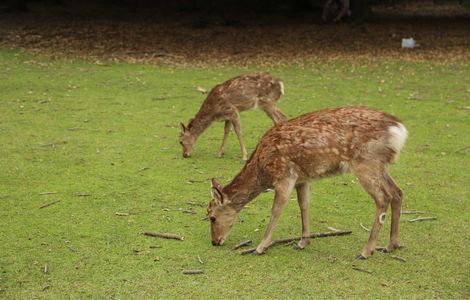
(398, 135)
(281, 85)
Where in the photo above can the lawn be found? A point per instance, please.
(102, 138)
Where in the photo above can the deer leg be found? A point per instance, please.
(236, 125)
(370, 175)
(396, 201)
(227, 127)
(303, 197)
(270, 108)
(282, 193)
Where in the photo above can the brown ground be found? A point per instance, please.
(442, 32)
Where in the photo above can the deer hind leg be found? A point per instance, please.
(270, 108)
(227, 128)
(282, 194)
(396, 195)
(371, 177)
(238, 130)
(303, 197)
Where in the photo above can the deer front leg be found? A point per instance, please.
(282, 193)
(236, 125)
(303, 197)
(227, 127)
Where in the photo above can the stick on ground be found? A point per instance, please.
(364, 227)
(312, 236)
(297, 238)
(361, 269)
(242, 244)
(422, 219)
(164, 235)
(48, 204)
(398, 258)
(192, 272)
(247, 251)
(200, 260)
(411, 212)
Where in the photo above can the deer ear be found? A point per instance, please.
(216, 192)
(182, 127)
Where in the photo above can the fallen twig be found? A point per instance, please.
(247, 251)
(188, 211)
(200, 260)
(144, 169)
(46, 287)
(312, 236)
(242, 244)
(361, 269)
(398, 258)
(293, 239)
(164, 235)
(49, 204)
(364, 227)
(411, 212)
(422, 219)
(46, 269)
(121, 214)
(192, 272)
(47, 193)
(79, 194)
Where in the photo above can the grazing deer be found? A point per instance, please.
(225, 102)
(312, 146)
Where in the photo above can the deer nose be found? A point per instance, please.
(186, 155)
(214, 243)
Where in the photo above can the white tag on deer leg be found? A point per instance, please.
(382, 218)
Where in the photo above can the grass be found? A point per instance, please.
(110, 132)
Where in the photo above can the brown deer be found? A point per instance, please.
(312, 146)
(225, 102)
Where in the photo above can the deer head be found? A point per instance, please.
(220, 213)
(186, 140)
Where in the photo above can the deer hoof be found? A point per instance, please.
(361, 257)
(301, 244)
(220, 154)
(259, 251)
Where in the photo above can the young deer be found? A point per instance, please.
(225, 102)
(312, 146)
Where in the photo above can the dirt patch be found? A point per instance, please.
(202, 38)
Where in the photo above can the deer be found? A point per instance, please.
(226, 101)
(312, 146)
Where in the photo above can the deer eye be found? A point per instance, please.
(212, 219)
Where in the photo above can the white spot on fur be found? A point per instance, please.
(398, 135)
(281, 85)
(382, 218)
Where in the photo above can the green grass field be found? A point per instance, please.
(104, 139)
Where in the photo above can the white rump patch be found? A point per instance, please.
(398, 135)
(281, 85)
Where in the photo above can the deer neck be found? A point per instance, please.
(245, 186)
(199, 124)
